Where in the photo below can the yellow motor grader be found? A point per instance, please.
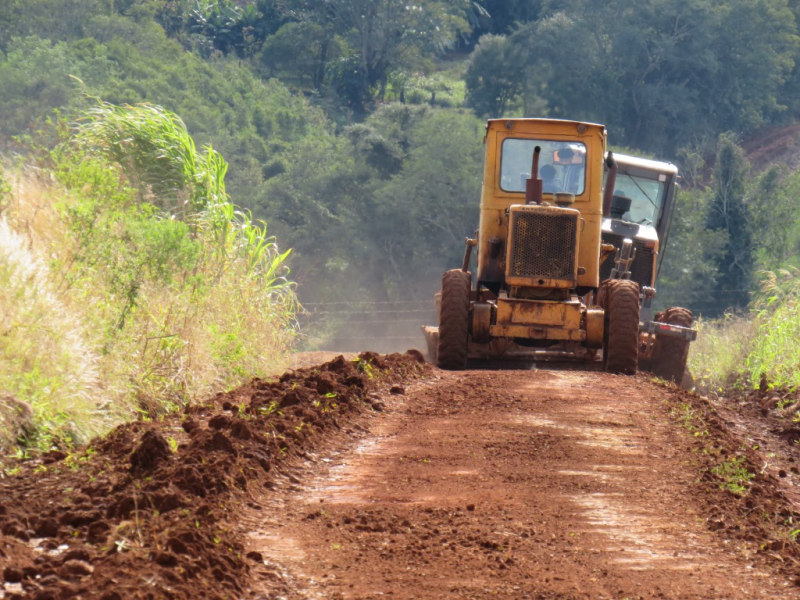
(554, 275)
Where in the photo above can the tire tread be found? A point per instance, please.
(621, 299)
(454, 321)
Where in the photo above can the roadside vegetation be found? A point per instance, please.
(758, 350)
(130, 284)
(738, 271)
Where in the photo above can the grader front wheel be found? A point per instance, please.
(621, 348)
(454, 321)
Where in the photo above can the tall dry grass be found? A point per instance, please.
(46, 356)
(121, 300)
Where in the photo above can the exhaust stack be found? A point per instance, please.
(611, 181)
(533, 186)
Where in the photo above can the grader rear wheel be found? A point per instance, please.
(454, 321)
(621, 348)
(670, 354)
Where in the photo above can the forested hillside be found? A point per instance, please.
(353, 129)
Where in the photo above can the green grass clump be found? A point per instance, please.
(745, 352)
(717, 358)
(775, 353)
(444, 88)
(733, 475)
(130, 283)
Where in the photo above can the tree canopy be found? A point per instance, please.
(353, 126)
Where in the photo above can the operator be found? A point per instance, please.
(549, 184)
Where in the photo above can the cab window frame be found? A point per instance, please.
(559, 145)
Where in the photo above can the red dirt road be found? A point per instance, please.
(513, 484)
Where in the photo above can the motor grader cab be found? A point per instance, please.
(642, 205)
(537, 291)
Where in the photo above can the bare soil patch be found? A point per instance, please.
(526, 485)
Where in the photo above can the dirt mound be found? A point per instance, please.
(143, 512)
(741, 449)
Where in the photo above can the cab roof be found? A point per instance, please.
(645, 163)
(555, 121)
(551, 123)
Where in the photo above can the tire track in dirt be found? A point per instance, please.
(505, 484)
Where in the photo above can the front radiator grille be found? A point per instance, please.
(642, 267)
(542, 245)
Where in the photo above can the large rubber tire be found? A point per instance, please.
(454, 321)
(621, 350)
(670, 354)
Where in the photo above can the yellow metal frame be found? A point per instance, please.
(539, 319)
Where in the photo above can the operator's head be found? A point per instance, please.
(547, 172)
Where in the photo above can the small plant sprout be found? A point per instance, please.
(734, 476)
(173, 444)
(270, 408)
(365, 366)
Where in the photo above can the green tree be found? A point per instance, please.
(57, 20)
(690, 272)
(384, 35)
(662, 74)
(492, 77)
(302, 52)
(728, 212)
(37, 76)
(434, 198)
(503, 15)
(772, 206)
(382, 209)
